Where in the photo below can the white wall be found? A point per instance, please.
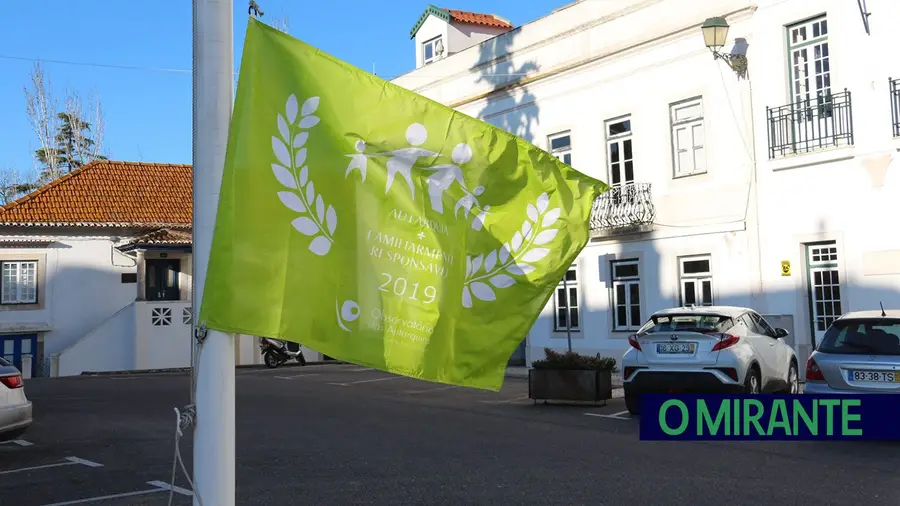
(849, 194)
(165, 345)
(109, 347)
(81, 287)
(461, 36)
(431, 28)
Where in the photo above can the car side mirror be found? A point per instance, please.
(781, 333)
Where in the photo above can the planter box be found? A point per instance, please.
(569, 385)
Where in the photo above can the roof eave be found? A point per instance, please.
(431, 10)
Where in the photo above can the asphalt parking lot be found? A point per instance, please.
(343, 434)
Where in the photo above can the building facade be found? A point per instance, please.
(769, 185)
(97, 272)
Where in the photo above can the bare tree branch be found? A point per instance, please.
(41, 108)
(99, 129)
(14, 184)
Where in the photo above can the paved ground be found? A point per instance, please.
(344, 435)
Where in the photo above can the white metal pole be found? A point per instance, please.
(214, 456)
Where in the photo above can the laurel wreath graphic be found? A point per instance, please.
(514, 257)
(317, 221)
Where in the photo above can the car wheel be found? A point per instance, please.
(632, 404)
(793, 387)
(751, 382)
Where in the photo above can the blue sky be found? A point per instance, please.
(148, 113)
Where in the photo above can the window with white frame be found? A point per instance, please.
(688, 137)
(810, 63)
(432, 50)
(619, 154)
(626, 294)
(566, 302)
(19, 282)
(561, 146)
(696, 280)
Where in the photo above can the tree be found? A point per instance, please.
(65, 137)
(14, 184)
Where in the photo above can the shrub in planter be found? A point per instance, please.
(571, 376)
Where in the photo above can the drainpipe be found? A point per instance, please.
(754, 181)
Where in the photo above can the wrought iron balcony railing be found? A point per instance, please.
(810, 125)
(894, 86)
(622, 206)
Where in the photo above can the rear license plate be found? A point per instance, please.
(675, 348)
(874, 376)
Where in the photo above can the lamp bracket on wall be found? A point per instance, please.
(864, 12)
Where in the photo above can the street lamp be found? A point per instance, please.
(715, 32)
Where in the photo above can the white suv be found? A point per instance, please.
(712, 349)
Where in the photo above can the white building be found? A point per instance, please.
(773, 188)
(96, 272)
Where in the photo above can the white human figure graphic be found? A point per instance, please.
(402, 160)
(468, 201)
(359, 161)
(445, 174)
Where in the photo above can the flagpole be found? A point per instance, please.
(213, 72)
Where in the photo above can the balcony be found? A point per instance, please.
(894, 86)
(810, 125)
(623, 209)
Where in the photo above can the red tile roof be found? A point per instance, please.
(107, 193)
(475, 18)
(163, 236)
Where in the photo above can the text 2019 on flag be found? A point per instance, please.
(380, 227)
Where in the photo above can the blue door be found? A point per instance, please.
(13, 346)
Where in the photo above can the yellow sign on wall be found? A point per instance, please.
(785, 267)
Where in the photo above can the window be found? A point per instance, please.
(432, 50)
(824, 286)
(761, 325)
(566, 304)
(619, 153)
(688, 137)
(696, 281)
(863, 336)
(19, 282)
(809, 60)
(678, 322)
(626, 282)
(561, 147)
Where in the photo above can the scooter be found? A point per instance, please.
(276, 352)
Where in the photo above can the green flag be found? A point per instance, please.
(380, 227)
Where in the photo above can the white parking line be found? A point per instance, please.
(365, 381)
(361, 369)
(413, 392)
(165, 486)
(20, 442)
(617, 416)
(69, 461)
(158, 486)
(296, 376)
(505, 401)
